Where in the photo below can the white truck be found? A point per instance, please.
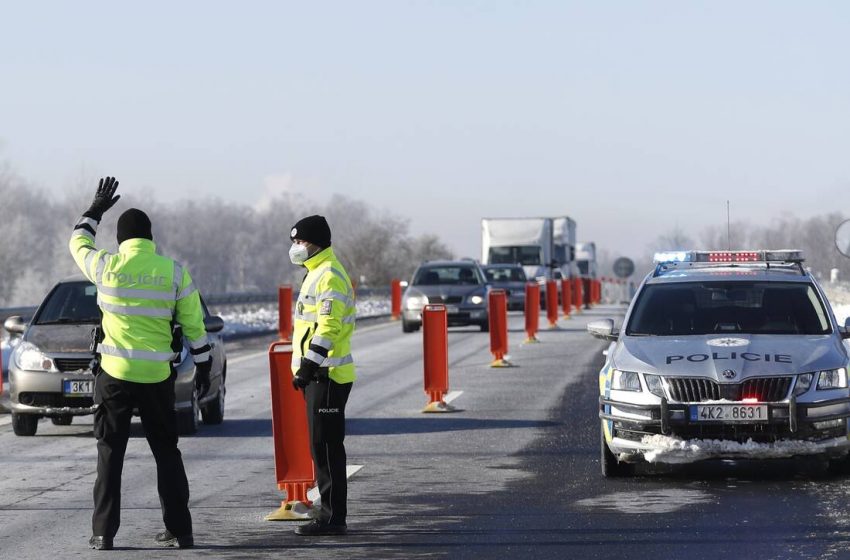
(543, 246)
(564, 245)
(586, 260)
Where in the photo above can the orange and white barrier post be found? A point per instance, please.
(293, 463)
(498, 317)
(435, 337)
(396, 299)
(532, 311)
(284, 306)
(566, 297)
(577, 294)
(552, 303)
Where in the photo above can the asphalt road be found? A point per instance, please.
(514, 474)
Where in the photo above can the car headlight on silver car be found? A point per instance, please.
(804, 383)
(417, 301)
(832, 379)
(626, 381)
(476, 300)
(28, 357)
(653, 383)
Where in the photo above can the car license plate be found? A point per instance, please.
(744, 413)
(452, 309)
(78, 387)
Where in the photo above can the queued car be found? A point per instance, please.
(724, 355)
(510, 278)
(459, 285)
(50, 368)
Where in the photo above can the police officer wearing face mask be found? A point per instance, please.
(322, 365)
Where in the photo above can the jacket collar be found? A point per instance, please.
(319, 258)
(137, 245)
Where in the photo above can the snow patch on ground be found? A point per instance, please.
(264, 318)
(665, 500)
(666, 449)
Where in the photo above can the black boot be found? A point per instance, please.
(100, 543)
(168, 540)
(318, 528)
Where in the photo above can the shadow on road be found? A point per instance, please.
(389, 426)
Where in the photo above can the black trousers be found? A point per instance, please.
(117, 399)
(326, 401)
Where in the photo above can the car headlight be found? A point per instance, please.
(29, 357)
(415, 302)
(832, 379)
(653, 383)
(476, 300)
(626, 381)
(804, 383)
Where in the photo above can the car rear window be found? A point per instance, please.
(438, 275)
(728, 307)
(494, 274)
(70, 302)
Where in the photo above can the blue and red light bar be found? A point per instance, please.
(731, 257)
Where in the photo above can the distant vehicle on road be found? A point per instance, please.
(459, 285)
(586, 260)
(50, 368)
(512, 279)
(724, 355)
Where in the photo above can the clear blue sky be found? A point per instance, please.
(630, 116)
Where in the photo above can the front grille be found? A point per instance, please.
(447, 299)
(72, 364)
(763, 389)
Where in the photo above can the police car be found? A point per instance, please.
(724, 355)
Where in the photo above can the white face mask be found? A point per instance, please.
(298, 253)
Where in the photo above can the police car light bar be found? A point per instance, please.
(782, 256)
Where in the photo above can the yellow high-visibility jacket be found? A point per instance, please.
(324, 318)
(140, 293)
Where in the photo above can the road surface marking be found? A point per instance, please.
(452, 395)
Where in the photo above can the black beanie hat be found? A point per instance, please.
(314, 229)
(134, 224)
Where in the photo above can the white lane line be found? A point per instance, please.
(5, 419)
(452, 395)
(350, 470)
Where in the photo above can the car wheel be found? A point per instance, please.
(611, 467)
(188, 420)
(64, 420)
(409, 327)
(24, 424)
(213, 411)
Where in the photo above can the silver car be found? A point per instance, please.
(50, 370)
(724, 355)
(459, 285)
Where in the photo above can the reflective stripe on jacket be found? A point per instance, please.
(324, 318)
(140, 293)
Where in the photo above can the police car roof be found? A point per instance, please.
(699, 272)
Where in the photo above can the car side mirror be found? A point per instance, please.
(15, 325)
(604, 329)
(213, 323)
(845, 330)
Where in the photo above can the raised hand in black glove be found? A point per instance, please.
(202, 377)
(104, 198)
(305, 374)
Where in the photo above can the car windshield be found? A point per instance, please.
(524, 255)
(728, 307)
(437, 275)
(499, 274)
(70, 302)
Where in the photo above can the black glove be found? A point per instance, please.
(305, 374)
(202, 377)
(104, 198)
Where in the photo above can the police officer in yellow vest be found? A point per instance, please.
(140, 294)
(323, 366)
